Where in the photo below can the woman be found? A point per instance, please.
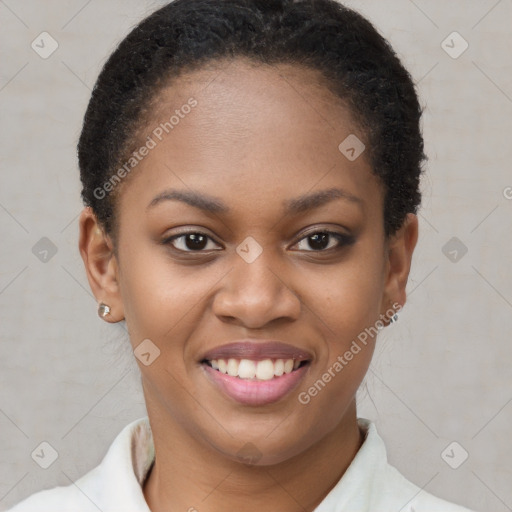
(250, 176)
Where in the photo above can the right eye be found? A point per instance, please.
(190, 242)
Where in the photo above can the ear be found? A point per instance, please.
(399, 252)
(97, 251)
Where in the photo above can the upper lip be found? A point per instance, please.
(257, 350)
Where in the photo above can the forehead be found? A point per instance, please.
(255, 132)
(232, 90)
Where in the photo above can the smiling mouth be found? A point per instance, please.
(255, 370)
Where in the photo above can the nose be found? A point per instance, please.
(257, 293)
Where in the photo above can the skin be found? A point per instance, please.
(259, 136)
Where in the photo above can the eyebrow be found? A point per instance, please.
(294, 206)
(309, 202)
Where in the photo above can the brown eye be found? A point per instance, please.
(190, 242)
(321, 241)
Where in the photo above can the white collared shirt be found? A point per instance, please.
(370, 483)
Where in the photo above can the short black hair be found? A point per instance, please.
(323, 35)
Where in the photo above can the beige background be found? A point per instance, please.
(442, 374)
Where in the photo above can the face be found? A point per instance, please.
(248, 243)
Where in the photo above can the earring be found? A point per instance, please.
(103, 309)
(393, 319)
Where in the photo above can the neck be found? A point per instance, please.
(185, 478)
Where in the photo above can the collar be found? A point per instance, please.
(132, 454)
(369, 483)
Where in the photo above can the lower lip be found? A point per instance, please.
(256, 392)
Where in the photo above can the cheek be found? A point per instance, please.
(162, 299)
(348, 310)
(162, 304)
(148, 291)
(346, 305)
(348, 297)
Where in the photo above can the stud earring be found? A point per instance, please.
(393, 319)
(103, 309)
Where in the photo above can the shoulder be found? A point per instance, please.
(58, 499)
(370, 483)
(115, 484)
(61, 498)
(413, 497)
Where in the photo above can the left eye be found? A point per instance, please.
(319, 239)
(190, 242)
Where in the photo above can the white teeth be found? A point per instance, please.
(279, 368)
(247, 369)
(223, 367)
(266, 369)
(288, 365)
(233, 367)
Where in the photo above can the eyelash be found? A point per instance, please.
(342, 239)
